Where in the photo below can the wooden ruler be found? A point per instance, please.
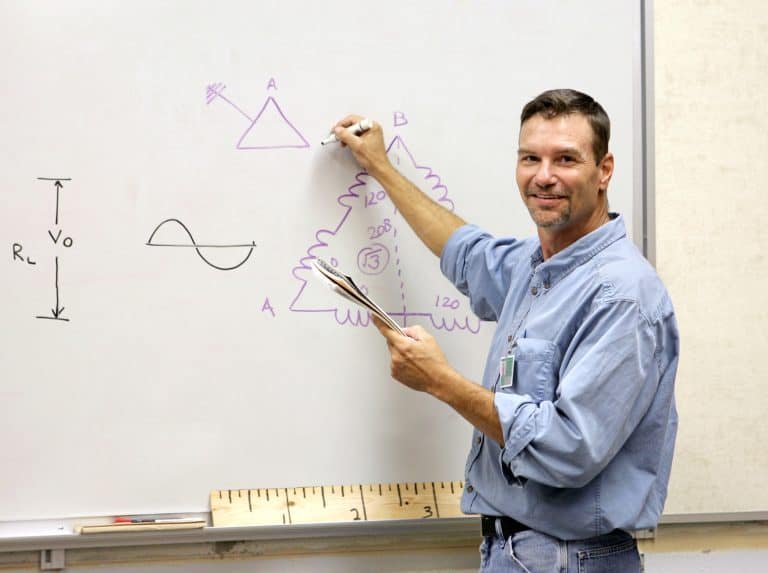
(336, 503)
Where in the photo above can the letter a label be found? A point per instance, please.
(267, 307)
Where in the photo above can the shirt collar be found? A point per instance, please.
(579, 252)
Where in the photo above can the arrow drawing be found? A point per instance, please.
(57, 310)
(58, 185)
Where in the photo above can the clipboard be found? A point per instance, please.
(344, 286)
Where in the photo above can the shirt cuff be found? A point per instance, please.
(518, 426)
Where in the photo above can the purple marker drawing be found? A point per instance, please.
(269, 129)
(399, 119)
(372, 240)
(373, 259)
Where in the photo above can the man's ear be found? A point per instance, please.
(606, 171)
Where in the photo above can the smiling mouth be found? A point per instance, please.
(546, 197)
(538, 192)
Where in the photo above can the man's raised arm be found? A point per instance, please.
(432, 222)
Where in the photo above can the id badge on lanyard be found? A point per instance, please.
(507, 367)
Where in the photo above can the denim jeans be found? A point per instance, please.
(533, 552)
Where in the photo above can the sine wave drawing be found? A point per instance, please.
(371, 241)
(165, 233)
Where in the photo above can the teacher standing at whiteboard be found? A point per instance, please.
(575, 420)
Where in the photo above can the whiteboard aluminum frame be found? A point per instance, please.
(644, 206)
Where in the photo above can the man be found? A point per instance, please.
(575, 419)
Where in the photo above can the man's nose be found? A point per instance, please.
(545, 176)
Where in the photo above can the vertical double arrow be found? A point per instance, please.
(57, 310)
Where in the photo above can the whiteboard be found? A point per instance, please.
(163, 191)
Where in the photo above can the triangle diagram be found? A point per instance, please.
(271, 130)
(397, 152)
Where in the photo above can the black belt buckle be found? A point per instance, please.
(488, 525)
(509, 526)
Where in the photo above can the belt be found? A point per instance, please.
(508, 526)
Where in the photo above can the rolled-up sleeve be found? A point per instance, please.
(606, 384)
(480, 266)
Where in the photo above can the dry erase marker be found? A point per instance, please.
(359, 128)
(164, 520)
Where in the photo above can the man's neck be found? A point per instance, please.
(553, 240)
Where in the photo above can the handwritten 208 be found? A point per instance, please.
(379, 230)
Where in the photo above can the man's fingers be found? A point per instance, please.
(348, 120)
(340, 128)
(391, 335)
(416, 332)
(344, 135)
(386, 332)
(347, 136)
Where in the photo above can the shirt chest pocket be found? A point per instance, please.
(536, 367)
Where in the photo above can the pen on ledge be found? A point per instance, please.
(358, 128)
(164, 520)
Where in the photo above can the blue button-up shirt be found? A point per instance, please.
(589, 420)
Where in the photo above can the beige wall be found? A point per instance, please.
(711, 62)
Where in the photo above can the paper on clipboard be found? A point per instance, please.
(346, 287)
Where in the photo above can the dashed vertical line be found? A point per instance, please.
(400, 275)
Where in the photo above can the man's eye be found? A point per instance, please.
(566, 159)
(528, 158)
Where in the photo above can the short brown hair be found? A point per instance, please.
(554, 103)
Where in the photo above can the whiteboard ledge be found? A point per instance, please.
(725, 517)
(447, 529)
(460, 528)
